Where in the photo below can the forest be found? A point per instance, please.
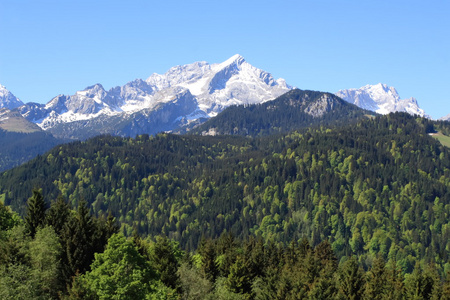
(293, 110)
(19, 147)
(359, 211)
(64, 253)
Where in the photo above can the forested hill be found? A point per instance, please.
(294, 110)
(381, 186)
(19, 147)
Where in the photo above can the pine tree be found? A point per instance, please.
(78, 238)
(36, 209)
(207, 250)
(351, 280)
(446, 287)
(395, 286)
(376, 281)
(165, 262)
(58, 215)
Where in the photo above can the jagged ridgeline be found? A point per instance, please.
(379, 186)
(294, 110)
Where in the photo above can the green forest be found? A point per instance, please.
(357, 211)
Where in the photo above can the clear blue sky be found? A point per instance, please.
(58, 47)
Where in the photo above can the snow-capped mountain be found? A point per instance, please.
(190, 92)
(446, 118)
(8, 100)
(382, 99)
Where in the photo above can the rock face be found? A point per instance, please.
(8, 100)
(382, 99)
(184, 94)
(321, 106)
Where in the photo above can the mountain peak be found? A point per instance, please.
(381, 98)
(95, 87)
(7, 99)
(235, 59)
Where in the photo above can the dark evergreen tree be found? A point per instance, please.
(207, 251)
(36, 209)
(79, 244)
(351, 280)
(164, 260)
(58, 215)
(376, 280)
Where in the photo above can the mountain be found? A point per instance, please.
(382, 99)
(21, 140)
(291, 111)
(7, 99)
(13, 121)
(375, 187)
(184, 94)
(446, 118)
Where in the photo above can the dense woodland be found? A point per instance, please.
(344, 212)
(59, 253)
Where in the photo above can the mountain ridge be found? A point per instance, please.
(211, 88)
(382, 99)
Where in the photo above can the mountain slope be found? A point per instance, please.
(21, 140)
(17, 148)
(294, 110)
(381, 99)
(377, 187)
(13, 121)
(165, 102)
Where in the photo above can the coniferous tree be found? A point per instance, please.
(208, 253)
(351, 280)
(36, 209)
(376, 280)
(78, 238)
(446, 287)
(395, 286)
(165, 262)
(58, 215)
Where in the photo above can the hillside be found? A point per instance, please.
(291, 111)
(19, 147)
(376, 187)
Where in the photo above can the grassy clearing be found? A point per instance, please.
(445, 140)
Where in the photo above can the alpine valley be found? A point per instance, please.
(279, 193)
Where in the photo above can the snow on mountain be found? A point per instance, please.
(218, 86)
(211, 87)
(8, 100)
(446, 118)
(381, 99)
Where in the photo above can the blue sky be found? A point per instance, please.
(58, 47)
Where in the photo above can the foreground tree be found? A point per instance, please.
(36, 208)
(351, 280)
(120, 272)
